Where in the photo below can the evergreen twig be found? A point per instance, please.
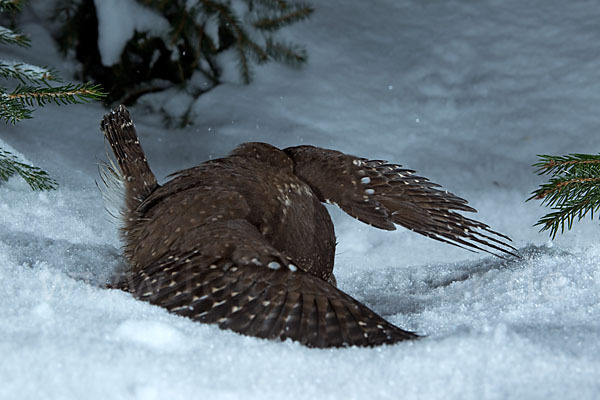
(276, 21)
(36, 178)
(280, 4)
(71, 93)
(8, 36)
(245, 46)
(27, 72)
(290, 54)
(14, 106)
(13, 111)
(11, 5)
(572, 191)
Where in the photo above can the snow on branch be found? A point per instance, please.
(27, 72)
(9, 36)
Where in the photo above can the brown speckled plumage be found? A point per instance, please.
(245, 241)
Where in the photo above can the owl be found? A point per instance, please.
(245, 242)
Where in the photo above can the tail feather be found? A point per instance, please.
(112, 187)
(137, 177)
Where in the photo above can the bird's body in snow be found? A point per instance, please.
(245, 241)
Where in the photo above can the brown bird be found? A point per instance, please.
(246, 243)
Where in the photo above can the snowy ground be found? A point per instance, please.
(465, 92)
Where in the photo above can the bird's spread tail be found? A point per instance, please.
(134, 175)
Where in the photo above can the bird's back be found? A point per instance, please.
(255, 183)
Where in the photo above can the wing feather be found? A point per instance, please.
(385, 195)
(251, 298)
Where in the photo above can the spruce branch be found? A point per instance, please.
(245, 45)
(572, 191)
(36, 178)
(14, 106)
(13, 111)
(70, 93)
(27, 72)
(11, 5)
(244, 66)
(287, 53)
(278, 20)
(558, 164)
(8, 36)
(280, 4)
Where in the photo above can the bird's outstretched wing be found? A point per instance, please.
(234, 278)
(382, 194)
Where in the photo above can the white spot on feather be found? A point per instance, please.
(274, 265)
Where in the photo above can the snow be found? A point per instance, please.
(466, 93)
(118, 20)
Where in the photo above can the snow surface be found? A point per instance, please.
(465, 92)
